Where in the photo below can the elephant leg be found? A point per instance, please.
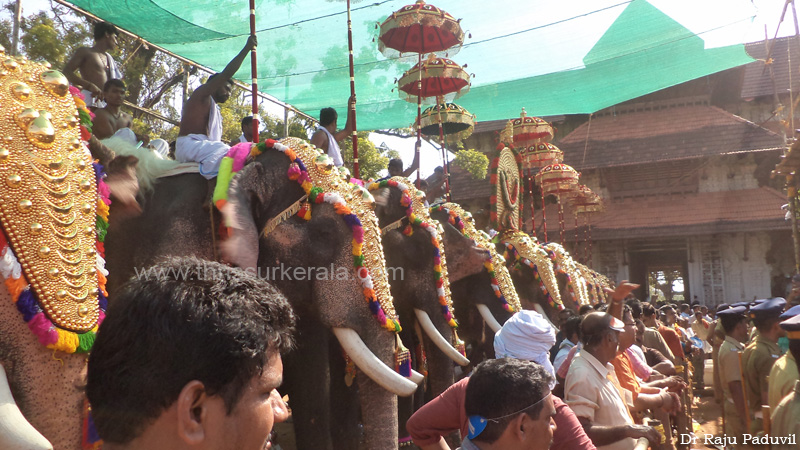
(345, 410)
(307, 381)
(407, 405)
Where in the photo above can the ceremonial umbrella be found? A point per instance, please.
(457, 122)
(531, 130)
(419, 28)
(439, 79)
(559, 180)
(585, 202)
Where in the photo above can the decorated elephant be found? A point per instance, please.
(53, 211)
(329, 264)
(416, 244)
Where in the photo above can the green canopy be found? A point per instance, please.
(573, 57)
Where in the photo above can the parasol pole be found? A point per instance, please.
(254, 71)
(561, 226)
(352, 105)
(419, 109)
(577, 238)
(440, 102)
(544, 217)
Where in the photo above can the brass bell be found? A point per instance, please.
(55, 82)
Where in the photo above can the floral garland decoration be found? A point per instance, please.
(24, 297)
(455, 220)
(413, 219)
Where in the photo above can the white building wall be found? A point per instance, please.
(728, 173)
(747, 275)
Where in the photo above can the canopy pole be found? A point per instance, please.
(254, 71)
(238, 84)
(440, 103)
(15, 32)
(419, 111)
(351, 105)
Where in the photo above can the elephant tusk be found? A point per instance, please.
(416, 377)
(488, 317)
(540, 310)
(438, 340)
(373, 367)
(16, 433)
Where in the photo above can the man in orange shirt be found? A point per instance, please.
(649, 317)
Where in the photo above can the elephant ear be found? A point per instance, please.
(247, 187)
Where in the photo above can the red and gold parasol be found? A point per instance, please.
(540, 155)
(457, 122)
(441, 80)
(420, 28)
(585, 202)
(560, 180)
(528, 131)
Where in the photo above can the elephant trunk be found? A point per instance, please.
(16, 433)
(438, 340)
(488, 317)
(373, 367)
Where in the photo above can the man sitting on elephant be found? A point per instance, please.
(190, 357)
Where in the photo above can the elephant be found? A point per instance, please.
(415, 295)
(331, 312)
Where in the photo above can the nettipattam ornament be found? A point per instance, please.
(563, 263)
(50, 199)
(495, 265)
(526, 250)
(506, 198)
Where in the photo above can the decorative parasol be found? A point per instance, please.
(540, 155)
(441, 79)
(457, 122)
(559, 180)
(585, 202)
(531, 130)
(420, 28)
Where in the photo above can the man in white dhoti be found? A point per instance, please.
(200, 137)
(327, 138)
(95, 64)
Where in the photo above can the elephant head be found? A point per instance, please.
(310, 261)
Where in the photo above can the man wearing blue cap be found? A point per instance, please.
(784, 372)
(759, 356)
(734, 322)
(785, 423)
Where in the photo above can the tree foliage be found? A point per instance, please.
(371, 159)
(473, 161)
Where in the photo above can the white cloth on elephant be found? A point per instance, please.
(127, 135)
(206, 149)
(160, 147)
(112, 73)
(526, 335)
(199, 148)
(333, 148)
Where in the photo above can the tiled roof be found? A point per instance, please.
(658, 132)
(757, 81)
(679, 215)
(463, 186)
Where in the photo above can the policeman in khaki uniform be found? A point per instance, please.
(784, 372)
(734, 322)
(786, 416)
(760, 355)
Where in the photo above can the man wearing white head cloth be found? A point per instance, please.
(526, 335)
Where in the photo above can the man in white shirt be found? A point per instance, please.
(571, 330)
(592, 389)
(327, 138)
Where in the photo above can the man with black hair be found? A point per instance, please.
(247, 131)
(200, 136)
(759, 356)
(110, 120)
(734, 322)
(652, 337)
(327, 138)
(395, 167)
(190, 359)
(784, 372)
(95, 64)
(570, 329)
(784, 417)
(509, 406)
(592, 389)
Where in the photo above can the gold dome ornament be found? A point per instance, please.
(366, 197)
(324, 163)
(41, 132)
(55, 82)
(21, 92)
(345, 173)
